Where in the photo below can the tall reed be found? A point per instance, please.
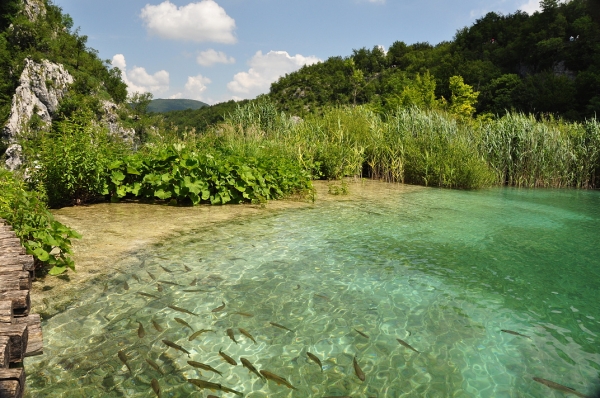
(425, 147)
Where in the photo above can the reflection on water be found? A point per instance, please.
(444, 271)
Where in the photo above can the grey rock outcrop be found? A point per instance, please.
(13, 157)
(41, 88)
(33, 9)
(110, 119)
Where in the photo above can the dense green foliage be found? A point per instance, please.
(201, 119)
(426, 147)
(169, 105)
(188, 175)
(516, 62)
(52, 37)
(72, 160)
(43, 237)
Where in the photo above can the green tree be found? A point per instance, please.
(463, 99)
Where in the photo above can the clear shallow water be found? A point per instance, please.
(443, 270)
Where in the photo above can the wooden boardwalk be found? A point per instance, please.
(20, 331)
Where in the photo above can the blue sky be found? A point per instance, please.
(216, 50)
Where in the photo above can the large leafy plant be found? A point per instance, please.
(48, 240)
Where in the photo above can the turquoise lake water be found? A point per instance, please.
(445, 271)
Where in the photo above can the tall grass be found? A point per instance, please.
(529, 153)
(420, 147)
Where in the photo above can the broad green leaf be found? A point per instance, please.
(56, 270)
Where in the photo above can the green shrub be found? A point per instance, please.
(178, 172)
(72, 161)
(46, 239)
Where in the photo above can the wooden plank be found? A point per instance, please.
(13, 383)
(10, 268)
(6, 312)
(21, 303)
(19, 335)
(15, 258)
(10, 389)
(4, 352)
(9, 241)
(13, 250)
(15, 281)
(35, 344)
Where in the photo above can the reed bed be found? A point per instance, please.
(425, 147)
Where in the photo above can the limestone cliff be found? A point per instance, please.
(41, 88)
(33, 9)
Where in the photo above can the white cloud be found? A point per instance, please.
(531, 6)
(195, 86)
(200, 22)
(211, 57)
(264, 70)
(140, 81)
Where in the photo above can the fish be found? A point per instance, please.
(359, 373)
(247, 334)
(246, 363)
(198, 333)
(166, 269)
(188, 269)
(176, 346)
(405, 344)
(157, 326)
(174, 307)
(281, 326)
(246, 314)
(154, 365)
(151, 275)
(559, 387)
(297, 287)
(155, 387)
(159, 287)
(515, 333)
(123, 358)
(277, 379)
(323, 297)
(184, 323)
(213, 386)
(211, 396)
(204, 366)
(103, 291)
(231, 335)
(315, 359)
(195, 290)
(170, 283)
(227, 358)
(141, 331)
(148, 295)
(219, 308)
(361, 333)
(125, 286)
(137, 278)
(194, 282)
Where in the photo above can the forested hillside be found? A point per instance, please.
(548, 62)
(50, 35)
(168, 105)
(201, 119)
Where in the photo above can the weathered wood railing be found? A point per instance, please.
(20, 331)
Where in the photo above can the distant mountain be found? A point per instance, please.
(168, 105)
